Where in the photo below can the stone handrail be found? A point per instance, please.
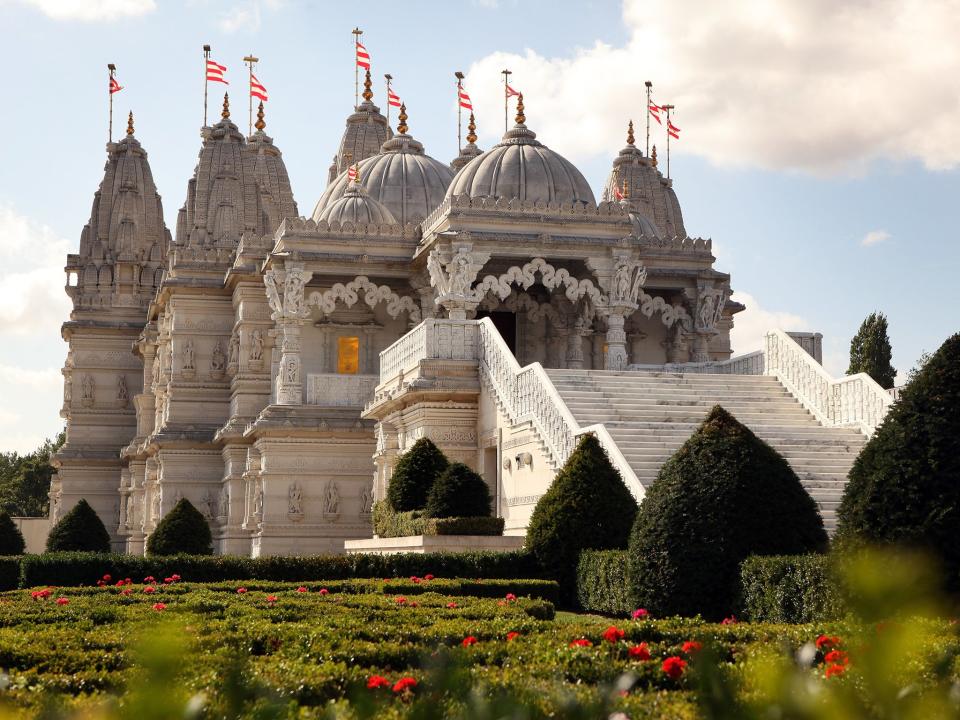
(855, 400)
(405, 354)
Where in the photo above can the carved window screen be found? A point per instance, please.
(348, 355)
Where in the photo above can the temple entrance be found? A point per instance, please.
(506, 324)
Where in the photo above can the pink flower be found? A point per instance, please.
(120, 583)
(691, 647)
(581, 642)
(302, 589)
(175, 577)
(512, 635)
(167, 581)
(159, 607)
(674, 666)
(149, 579)
(639, 652)
(241, 591)
(149, 589)
(428, 577)
(405, 684)
(469, 640)
(62, 601)
(613, 634)
(377, 681)
(511, 597)
(107, 578)
(640, 614)
(324, 591)
(451, 605)
(732, 620)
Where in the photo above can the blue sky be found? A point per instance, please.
(793, 149)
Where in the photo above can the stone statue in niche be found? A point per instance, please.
(155, 506)
(366, 501)
(68, 390)
(156, 370)
(258, 501)
(87, 389)
(256, 345)
(189, 359)
(295, 502)
(123, 394)
(291, 370)
(460, 273)
(331, 499)
(223, 508)
(705, 317)
(218, 361)
(234, 350)
(208, 505)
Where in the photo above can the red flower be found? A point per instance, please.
(428, 577)
(827, 642)
(149, 579)
(511, 597)
(324, 591)
(835, 670)
(377, 681)
(400, 600)
(41, 594)
(640, 614)
(451, 605)
(581, 642)
(107, 578)
(674, 666)
(613, 634)
(241, 591)
(167, 581)
(302, 589)
(512, 635)
(62, 601)
(120, 583)
(413, 604)
(126, 591)
(639, 652)
(837, 657)
(175, 577)
(469, 640)
(127, 581)
(271, 599)
(692, 646)
(159, 607)
(404, 684)
(732, 620)
(149, 589)
(414, 579)
(100, 583)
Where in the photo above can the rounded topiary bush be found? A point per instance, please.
(458, 492)
(904, 488)
(182, 530)
(11, 539)
(588, 506)
(80, 529)
(723, 496)
(414, 475)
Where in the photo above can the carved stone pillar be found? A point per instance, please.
(598, 340)
(290, 382)
(369, 366)
(616, 342)
(289, 313)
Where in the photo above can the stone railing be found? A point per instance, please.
(855, 400)
(434, 339)
(336, 390)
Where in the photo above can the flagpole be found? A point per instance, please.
(357, 32)
(668, 108)
(389, 77)
(250, 60)
(206, 56)
(459, 76)
(113, 69)
(649, 86)
(506, 77)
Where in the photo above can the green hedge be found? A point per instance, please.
(464, 526)
(10, 572)
(789, 589)
(388, 523)
(73, 569)
(602, 583)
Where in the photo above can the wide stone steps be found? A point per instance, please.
(651, 414)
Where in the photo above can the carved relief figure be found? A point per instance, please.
(234, 351)
(366, 501)
(293, 305)
(123, 394)
(331, 499)
(460, 273)
(223, 508)
(705, 317)
(258, 500)
(208, 505)
(156, 370)
(188, 356)
(622, 280)
(292, 373)
(295, 499)
(218, 360)
(68, 389)
(256, 345)
(87, 390)
(155, 507)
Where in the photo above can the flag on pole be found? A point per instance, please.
(393, 99)
(363, 57)
(257, 90)
(114, 85)
(215, 72)
(465, 101)
(617, 193)
(672, 130)
(352, 173)
(511, 92)
(655, 112)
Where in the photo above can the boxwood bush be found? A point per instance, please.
(414, 475)
(789, 589)
(458, 492)
(388, 524)
(182, 530)
(11, 539)
(9, 573)
(602, 582)
(80, 529)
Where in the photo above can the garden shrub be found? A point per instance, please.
(414, 475)
(723, 496)
(9, 573)
(463, 526)
(588, 506)
(11, 539)
(80, 529)
(789, 589)
(458, 492)
(182, 530)
(389, 524)
(602, 582)
(904, 487)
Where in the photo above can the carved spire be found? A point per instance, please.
(626, 189)
(521, 118)
(130, 124)
(260, 124)
(472, 128)
(225, 114)
(402, 125)
(630, 139)
(367, 87)
(653, 156)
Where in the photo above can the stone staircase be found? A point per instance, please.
(650, 414)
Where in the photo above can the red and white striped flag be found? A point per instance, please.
(465, 101)
(215, 72)
(655, 112)
(672, 130)
(363, 57)
(352, 173)
(617, 193)
(257, 90)
(392, 98)
(114, 85)
(511, 92)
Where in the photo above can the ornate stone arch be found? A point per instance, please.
(550, 277)
(669, 314)
(373, 295)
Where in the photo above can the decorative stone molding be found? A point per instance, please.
(373, 295)
(550, 277)
(289, 312)
(452, 281)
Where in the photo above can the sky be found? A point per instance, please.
(819, 145)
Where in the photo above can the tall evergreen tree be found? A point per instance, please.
(414, 474)
(80, 529)
(870, 351)
(11, 539)
(182, 530)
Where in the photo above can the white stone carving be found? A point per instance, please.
(295, 502)
(223, 504)
(628, 278)
(88, 388)
(218, 361)
(189, 356)
(334, 390)
(256, 345)
(373, 295)
(123, 393)
(257, 500)
(710, 304)
(366, 500)
(233, 353)
(331, 499)
(550, 277)
(208, 505)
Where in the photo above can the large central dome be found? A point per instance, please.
(521, 167)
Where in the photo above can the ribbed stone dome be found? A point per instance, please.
(522, 167)
(408, 182)
(357, 207)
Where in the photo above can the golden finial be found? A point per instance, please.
(367, 85)
(521, 118)
(653, 156)
(130, 124)
(472, 128)
(402, 126)
(630, 133)
(260, 124)
(226, 107)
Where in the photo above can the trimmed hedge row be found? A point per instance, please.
(602, 582)
(790, 589)
(388, 523)
(10, 572)
(72, 569)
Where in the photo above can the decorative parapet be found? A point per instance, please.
(193, 255)
(308, 226)
(677, 244)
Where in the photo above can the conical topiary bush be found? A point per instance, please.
(723, 496)
(458, 492)
(11, 539)
(80, 529)
(588, 506)
(414, 475)
(182, 530)
(904, 488)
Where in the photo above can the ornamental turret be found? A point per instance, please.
(367, 130)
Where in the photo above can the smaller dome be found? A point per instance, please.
(356, 207)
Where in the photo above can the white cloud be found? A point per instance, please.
(874, 236)
(813, 85)
(92, 10)
(751, 325)
(247, 16)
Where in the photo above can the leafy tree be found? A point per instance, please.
(182, 530)
(723, 496)
(11, 539)
(414, 475)
(458, 492)
(79, 529)
(588, 506)
(870, 351)
(904, 488)
(25, 480)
